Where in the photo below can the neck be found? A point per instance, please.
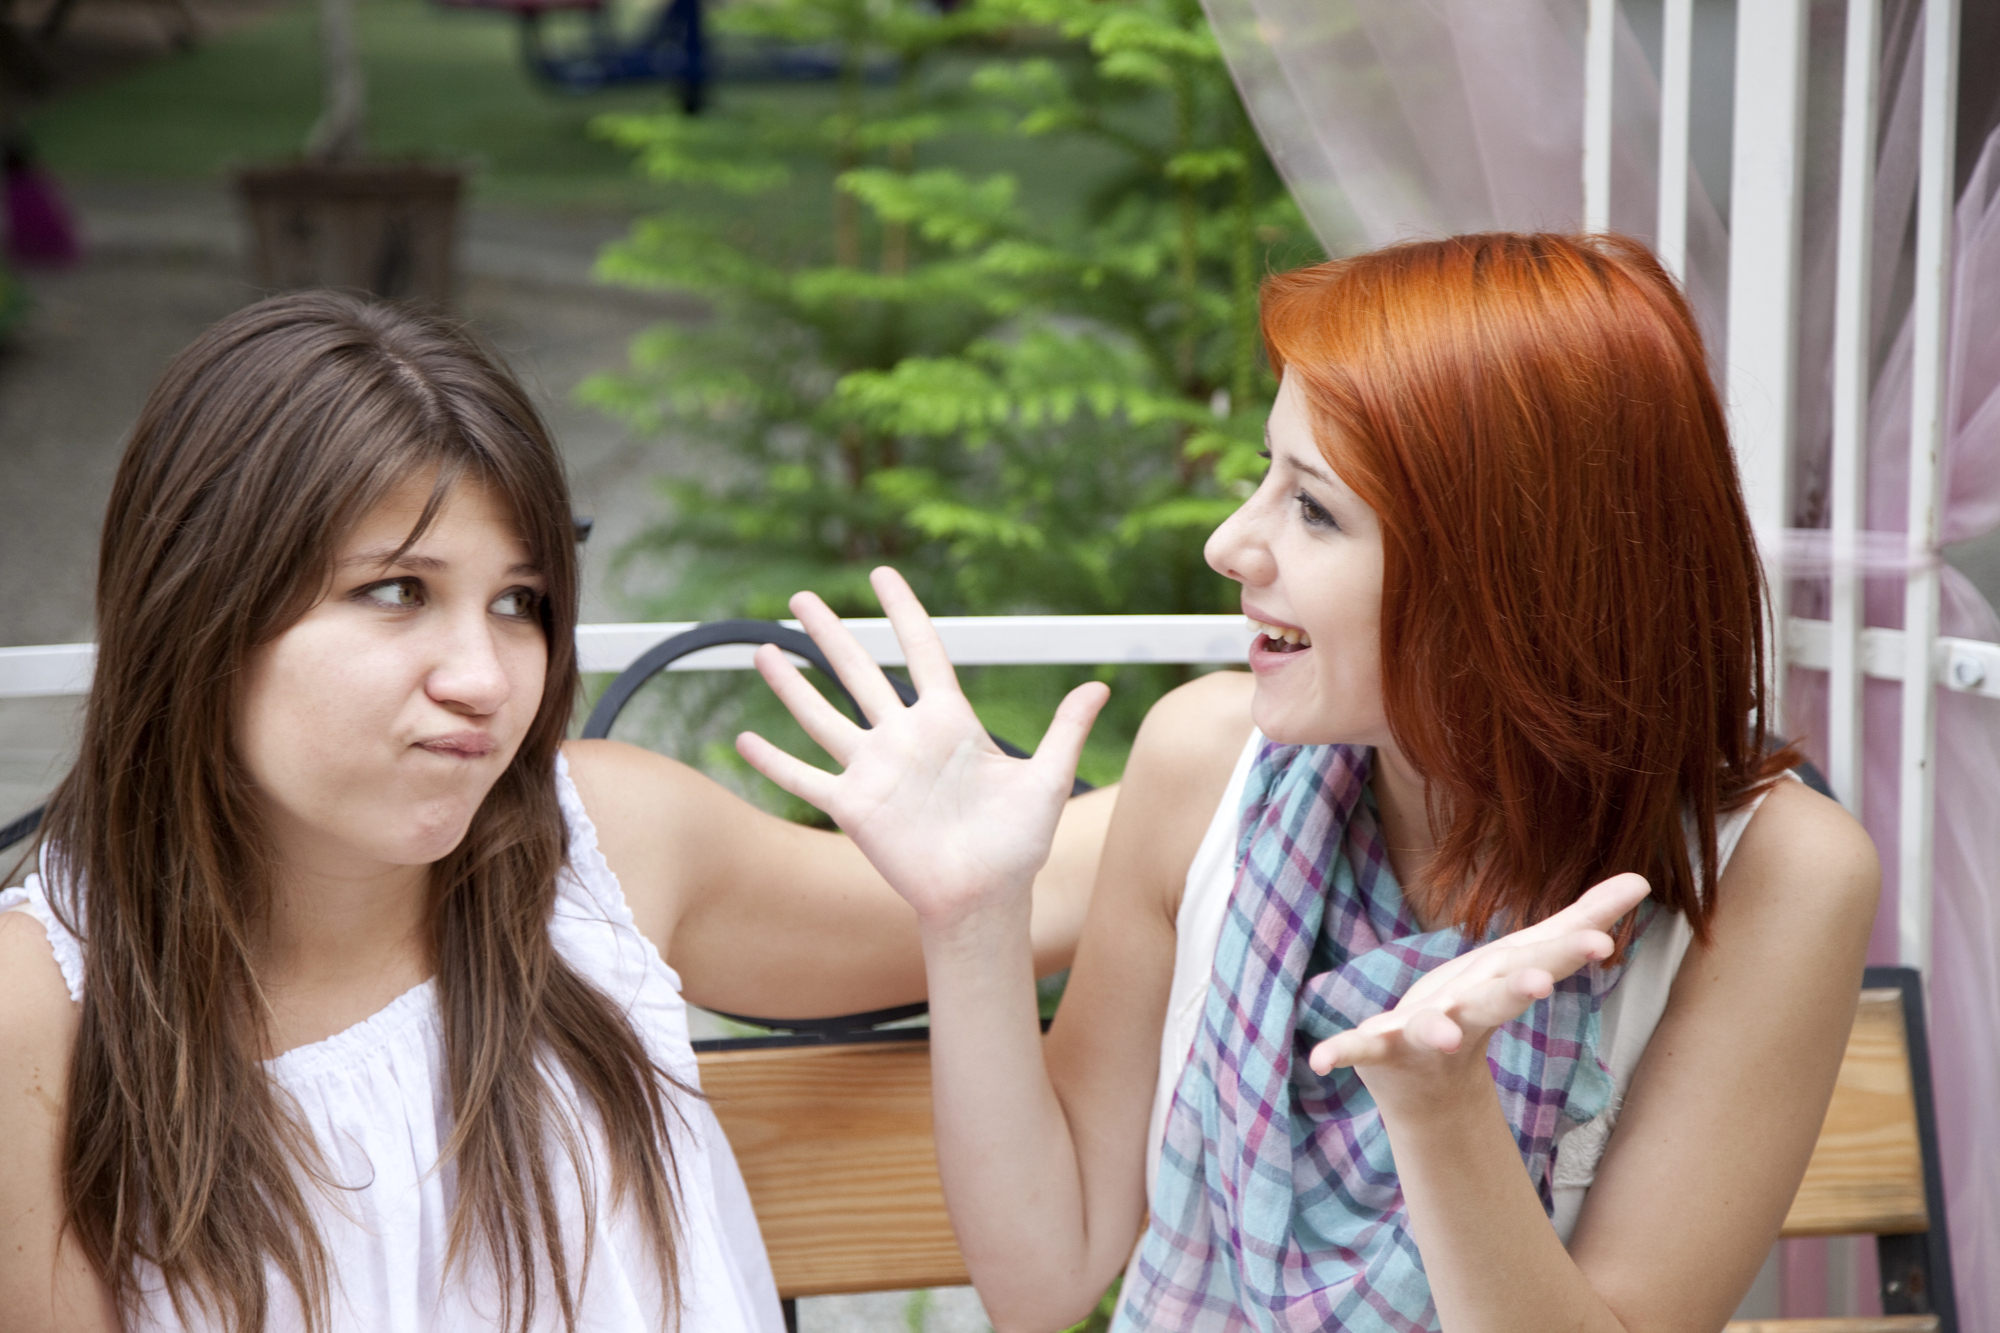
(1405, 819)
(341, 942)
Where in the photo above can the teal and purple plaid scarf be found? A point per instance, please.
(1277, 1205)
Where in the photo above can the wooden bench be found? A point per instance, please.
(834, 1133)
(834, 1138)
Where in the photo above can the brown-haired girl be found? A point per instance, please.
(347, 995)
(1470, 964)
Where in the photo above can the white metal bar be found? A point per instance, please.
(971, 641)
(1850, 393)
(1936, 185)
(1965, 666)
(60, 669)
(1599, 47)
(46, 669)
(1764, 273)
(1676, 107)
(1969, 666)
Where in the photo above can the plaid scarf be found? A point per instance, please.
(1277, 1205)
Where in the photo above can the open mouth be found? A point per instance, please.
(1280, 639)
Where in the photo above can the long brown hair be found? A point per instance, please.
(265, 442)
(1572, 605)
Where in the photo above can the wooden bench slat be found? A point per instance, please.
(836, 1149)
(1867, 1170)
(835, 1145)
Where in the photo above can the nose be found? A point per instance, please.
(1237, 550)
(468, 675)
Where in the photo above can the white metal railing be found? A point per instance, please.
(1936, 186)
(64, 668)
(1763, 337)
(1968, 666)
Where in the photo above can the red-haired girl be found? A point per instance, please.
(1469, 964)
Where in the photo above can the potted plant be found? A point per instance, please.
(335, 217)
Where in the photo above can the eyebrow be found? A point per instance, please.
(383, 557)
(1311, 470)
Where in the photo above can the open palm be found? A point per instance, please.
(951, 822)
(1473, 994)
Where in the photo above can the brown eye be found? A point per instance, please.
(516, 603)
(394, 594)
(1314, 512)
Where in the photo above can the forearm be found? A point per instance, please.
(1006, 1151)
(1494, 1261)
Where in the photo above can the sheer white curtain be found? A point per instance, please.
(1400, 118)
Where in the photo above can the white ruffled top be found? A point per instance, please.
(376, 1098)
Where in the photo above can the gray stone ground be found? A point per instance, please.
(163, 263)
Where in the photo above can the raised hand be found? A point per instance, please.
(951, 822)
(1470, 996)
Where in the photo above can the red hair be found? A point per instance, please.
(1572, 603)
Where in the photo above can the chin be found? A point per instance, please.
(433, 841)
(1284, 726)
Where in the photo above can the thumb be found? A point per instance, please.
(1062, 744)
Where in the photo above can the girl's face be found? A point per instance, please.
(373, 728)
(1308, 553)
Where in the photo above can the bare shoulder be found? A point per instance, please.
(1197, 730)
(656, 819)
(38, 1024)
(34, 998)
(1805, 860)
(1733, 1086)
(1179, 768)
(37, 1028)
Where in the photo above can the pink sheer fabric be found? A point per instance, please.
(1400, 118)
(1393, 119)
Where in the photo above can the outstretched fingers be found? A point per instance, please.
(923, 651)
(793, 774)
(1601, 905)
(829, 728)
(850, 661)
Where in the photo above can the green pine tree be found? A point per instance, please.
(1028, 399)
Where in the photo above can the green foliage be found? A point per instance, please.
(1030, 392)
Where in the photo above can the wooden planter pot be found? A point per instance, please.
(389, 229)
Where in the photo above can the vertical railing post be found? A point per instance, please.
(1676, 106)
(1599, 46)
(1851, 367)
(1930, 311)
(1764, 276)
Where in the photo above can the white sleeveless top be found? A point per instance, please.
(376, 1099)
(1627, 1018)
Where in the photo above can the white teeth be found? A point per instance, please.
(1279, 633)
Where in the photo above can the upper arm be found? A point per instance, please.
(765, 917)
(757, 914)
(44, 1281)
(1728, 1100)
(1103, 1051)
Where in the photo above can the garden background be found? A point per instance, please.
(980, 305)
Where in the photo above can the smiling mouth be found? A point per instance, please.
(1279, 639)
